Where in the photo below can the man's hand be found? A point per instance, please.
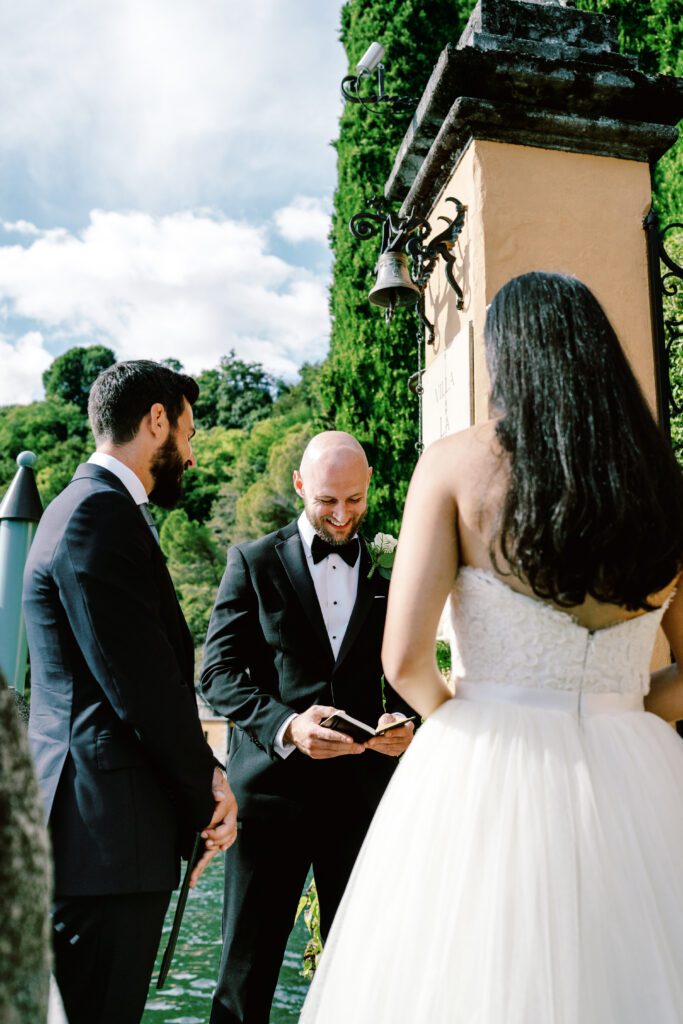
(395, 741)
(308, 736)
(221, 832)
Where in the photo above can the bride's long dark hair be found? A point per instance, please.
(594, 503)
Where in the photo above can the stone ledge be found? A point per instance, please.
(471, 118)
(565, 67)
(542, 23)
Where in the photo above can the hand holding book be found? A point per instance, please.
(361, 732)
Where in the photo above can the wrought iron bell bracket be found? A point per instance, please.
(408, 234)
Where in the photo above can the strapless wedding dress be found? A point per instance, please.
(526, 863)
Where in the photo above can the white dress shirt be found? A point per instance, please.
(336, 586)
(130, 480)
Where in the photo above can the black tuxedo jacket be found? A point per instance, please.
(268, 655)
(123, 766)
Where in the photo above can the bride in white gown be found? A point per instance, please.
(526, 863)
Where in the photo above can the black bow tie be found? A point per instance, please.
(321, 549)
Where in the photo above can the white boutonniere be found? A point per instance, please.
(382, 553)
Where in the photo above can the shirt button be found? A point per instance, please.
(334, 638)
(334, 602)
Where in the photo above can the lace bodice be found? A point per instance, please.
(502, 636)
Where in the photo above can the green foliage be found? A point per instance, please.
(215, 450)
(271, 502)
(236, 394)
(364, 380)
(443, 657)
(195, 566)
(56, 431)
(257, 495)
(72, 374)
(308, 904)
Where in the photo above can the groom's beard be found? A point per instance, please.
(167, 472)
(325, 532)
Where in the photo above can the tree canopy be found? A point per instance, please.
(236, 393)
(72, 374)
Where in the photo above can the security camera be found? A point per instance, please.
(370, 59)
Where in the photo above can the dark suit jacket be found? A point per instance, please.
(123, 766)
(268, 655)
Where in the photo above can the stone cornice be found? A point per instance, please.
(537, 75)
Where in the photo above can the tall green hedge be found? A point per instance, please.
(364, 379)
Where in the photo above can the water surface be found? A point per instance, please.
(186, 996)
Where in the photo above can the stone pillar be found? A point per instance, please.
(547, 134)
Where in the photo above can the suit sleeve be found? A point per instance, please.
(107, 576)
(226, 681)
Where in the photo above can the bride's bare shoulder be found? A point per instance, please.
(476, 446)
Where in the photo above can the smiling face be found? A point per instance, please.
(333, 482)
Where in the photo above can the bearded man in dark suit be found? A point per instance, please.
(296, 633)
(126, 774)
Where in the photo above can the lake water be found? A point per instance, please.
(186, 996)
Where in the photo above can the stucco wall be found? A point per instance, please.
(537, 209)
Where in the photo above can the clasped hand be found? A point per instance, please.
(221, 832)
(312, 739)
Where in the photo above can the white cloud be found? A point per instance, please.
(164, 104)
(188, 285)
(22, 365)
(305, 219)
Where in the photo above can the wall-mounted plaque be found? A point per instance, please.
(447, 404)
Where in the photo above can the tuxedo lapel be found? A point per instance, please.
(291, 553)
(365, 595)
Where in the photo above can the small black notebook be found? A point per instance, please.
(357, 730)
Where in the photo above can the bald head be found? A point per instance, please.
(332, 446)
(333, 481)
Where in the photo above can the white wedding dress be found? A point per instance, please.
(526, 863)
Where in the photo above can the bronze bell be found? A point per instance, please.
(393, 287)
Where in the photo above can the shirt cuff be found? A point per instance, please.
(283, 749)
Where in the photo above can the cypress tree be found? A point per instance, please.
(364, 379)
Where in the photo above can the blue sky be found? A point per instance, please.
(166, 178)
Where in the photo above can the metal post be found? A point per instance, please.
(20, 512)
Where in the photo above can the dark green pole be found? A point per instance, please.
(20, 511)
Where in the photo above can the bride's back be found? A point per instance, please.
(571, 493)
(480, 489)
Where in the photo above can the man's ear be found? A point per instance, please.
(298, 483)
(157, 420)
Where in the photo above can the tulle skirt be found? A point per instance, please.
(524, 867)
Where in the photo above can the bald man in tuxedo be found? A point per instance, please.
(295, 634)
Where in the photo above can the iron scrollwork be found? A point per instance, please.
(409, 233)
(667, 331)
